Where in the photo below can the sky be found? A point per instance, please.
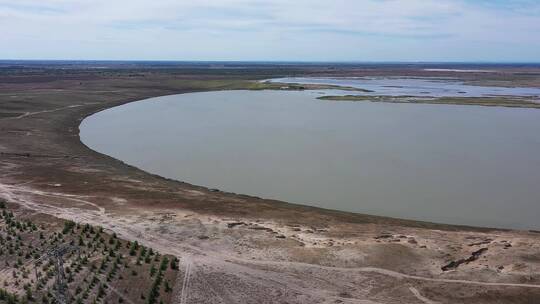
(272, 30)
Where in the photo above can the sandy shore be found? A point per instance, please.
(235, 248)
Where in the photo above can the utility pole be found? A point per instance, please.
(61, 292)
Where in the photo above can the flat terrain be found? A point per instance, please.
(510, 102)
(234, 248)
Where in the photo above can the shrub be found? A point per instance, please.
(68, 227)
(153, 270)
(174, 264)
(167, 287)
(101, 291)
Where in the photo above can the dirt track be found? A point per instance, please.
(237, 248)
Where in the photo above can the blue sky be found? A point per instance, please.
(305, 30)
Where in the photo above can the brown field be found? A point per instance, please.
(232, 248)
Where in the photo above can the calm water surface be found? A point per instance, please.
(426, 87)
(454, 164)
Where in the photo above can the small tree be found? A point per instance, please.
(133, 249)
(101, 291)
(164, 263)
(28, 294)
(174, 263)
(167, 287)
(68, 227)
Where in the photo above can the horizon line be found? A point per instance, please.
(275, 61)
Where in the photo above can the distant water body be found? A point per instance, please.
(399, 86)
(453, 164)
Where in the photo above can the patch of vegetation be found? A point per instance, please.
(96, 262)
(8, 297)
(68, 227)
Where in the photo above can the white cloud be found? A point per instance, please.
(272, 29)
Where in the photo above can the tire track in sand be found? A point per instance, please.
(185, 284)
(420, 297)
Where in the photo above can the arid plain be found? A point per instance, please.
(234, 248)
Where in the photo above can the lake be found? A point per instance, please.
(422, 87)
(443, 163)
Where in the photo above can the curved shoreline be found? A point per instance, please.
(337, 215)
(139, 118)
(287, 204)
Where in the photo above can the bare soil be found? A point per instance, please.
(235, 248)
